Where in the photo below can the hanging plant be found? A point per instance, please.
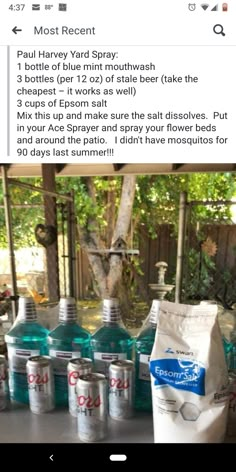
(45, 234)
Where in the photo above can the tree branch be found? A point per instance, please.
(90, 239)
(110, 210)
(119, 239)
(125, 209)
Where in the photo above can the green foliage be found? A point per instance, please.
(212, 187)
(156, 201)
(200, 278)
(25, 217)
(85, 206)
(157, 198)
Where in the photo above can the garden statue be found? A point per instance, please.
(161, 287)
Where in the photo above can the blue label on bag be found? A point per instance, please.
(183, 374)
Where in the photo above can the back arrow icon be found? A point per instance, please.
(15, 30)
(51, 457)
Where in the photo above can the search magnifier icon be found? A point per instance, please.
(218, 29)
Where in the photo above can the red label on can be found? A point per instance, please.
(89, 402)
(38, 379)
(73, 377)
(119, 383)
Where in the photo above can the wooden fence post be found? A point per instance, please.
(180, 246)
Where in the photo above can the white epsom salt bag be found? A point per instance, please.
(189, 376)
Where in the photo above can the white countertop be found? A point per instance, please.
(19, 425)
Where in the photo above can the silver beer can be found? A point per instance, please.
(121, 389)
(231, 425)
(75, 368)
(92, 407)
(4, 393)
(40, 384)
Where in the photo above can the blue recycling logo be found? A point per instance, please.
(182, 374)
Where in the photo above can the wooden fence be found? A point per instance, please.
(164, 248)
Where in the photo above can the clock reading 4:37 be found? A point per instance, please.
(17, 7)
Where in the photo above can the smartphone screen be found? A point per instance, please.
(90, 83)
(101, 86)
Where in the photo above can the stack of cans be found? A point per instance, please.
(89, 393)
(76, 367)
(92, 399)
